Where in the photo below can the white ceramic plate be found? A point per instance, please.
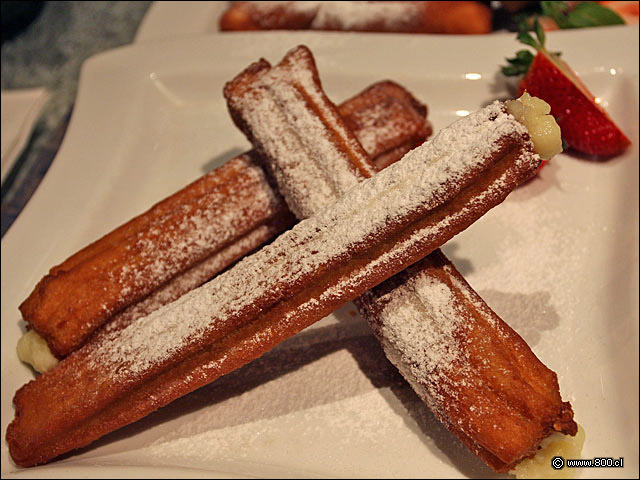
(558, 261)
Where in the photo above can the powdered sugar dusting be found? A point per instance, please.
(191, 278)
(298, 7)
(165, 248)
(417, 328)
(422, 325)
(478, 304)
(333, 235)
(355, 15)
(340, 15)
(371, 136)
(370, 123)
(364, 118)
(275, 111)
(388, 125)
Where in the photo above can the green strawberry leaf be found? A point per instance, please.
(524, 57)
(539, 32)
(518, 65)
(558, 11)
(584, 14)
(524, 35)
(527, 39)
(589, 14)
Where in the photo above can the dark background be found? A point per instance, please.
(44, 45)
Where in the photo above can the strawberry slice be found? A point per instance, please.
(585, 125)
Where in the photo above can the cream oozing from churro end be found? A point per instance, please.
(33, 349)
(555, 445)
(534, 113)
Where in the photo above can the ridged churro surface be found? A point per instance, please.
(377, 229)
(478, 376)
(67, 321)
(128, 264)
(273, 105)
(386, 142)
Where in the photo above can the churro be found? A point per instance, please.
(380, 227)
(478, 376)
(123, 276)
(376, 16)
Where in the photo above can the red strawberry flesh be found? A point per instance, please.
(585, 125)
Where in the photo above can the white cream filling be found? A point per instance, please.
(533, 113)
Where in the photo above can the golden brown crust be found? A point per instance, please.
(115, 381)
(91, 394)
(376, 16)
(124, 267)
(197, 274)
(277, 16)
(495, 395)
(271, 105)
(87, 402)
(309, 87)
(55, 296)
(470, 18)
(385, 149)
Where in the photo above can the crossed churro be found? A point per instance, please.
(191, 236)
(357, 240)
(476, 374)
(377, 16)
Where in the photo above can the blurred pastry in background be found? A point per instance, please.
(423, 17)
(378, 16)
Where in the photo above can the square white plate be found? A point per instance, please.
(558, 260)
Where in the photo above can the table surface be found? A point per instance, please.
(49, 53)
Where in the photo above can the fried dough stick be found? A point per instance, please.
(477, 375)
(379, 228)
(191, 236)
(377, 16)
